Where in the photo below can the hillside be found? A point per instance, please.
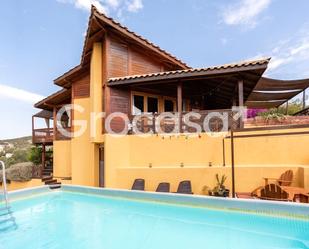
(15, 150)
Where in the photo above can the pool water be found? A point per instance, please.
(63, 219)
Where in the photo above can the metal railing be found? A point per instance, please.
(5, 193)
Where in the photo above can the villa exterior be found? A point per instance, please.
(121, 72)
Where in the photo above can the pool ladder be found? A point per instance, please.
(6, 215)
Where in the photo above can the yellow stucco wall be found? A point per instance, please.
(96, 91)
(84, 153)
(156, 160)
(62, 158)
(20, 185)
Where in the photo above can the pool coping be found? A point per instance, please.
(277, 208)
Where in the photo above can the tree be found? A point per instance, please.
(35, 155)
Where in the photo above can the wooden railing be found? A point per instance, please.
(44, 135)
(179, 123)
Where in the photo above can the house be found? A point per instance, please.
(121, 72)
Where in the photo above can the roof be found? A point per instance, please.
(214, 70)
(270, 93)
(98, 23)
(44, 114)
(64, 95)
(106, 21)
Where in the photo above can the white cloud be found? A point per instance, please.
(244, 12)
(290, 57)
(107, 6)
(19, 94)
(135, 5)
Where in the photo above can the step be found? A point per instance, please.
(55, 186)
(51, 181)
(7, 213)
(46, 178)
(5, 208)
(47, 170)
(55, 183)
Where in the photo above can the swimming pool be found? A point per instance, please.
(79, 217)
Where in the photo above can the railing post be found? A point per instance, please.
(232, 163)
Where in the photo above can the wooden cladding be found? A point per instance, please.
(81, 87)
(124, 60)
(118, 60)
(141, 64)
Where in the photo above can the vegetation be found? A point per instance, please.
(281, 111)
(219, 189)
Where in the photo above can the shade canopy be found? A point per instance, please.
(271, 93)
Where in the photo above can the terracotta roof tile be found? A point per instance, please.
(192, 70)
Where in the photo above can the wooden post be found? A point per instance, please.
(33, 134)
(179, 105)
(241, 99)
(55, 123)
(240, 93)
(304, 99)
(43, 157)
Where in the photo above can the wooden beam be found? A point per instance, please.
(43, 157)
(240, 93)
(55, 123)
(304, 99)
(179, 104)
(179, 97)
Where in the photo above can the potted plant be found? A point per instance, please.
(219, 189)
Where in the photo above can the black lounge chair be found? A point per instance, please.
(184, 187)
(163, 187)
(139, 184)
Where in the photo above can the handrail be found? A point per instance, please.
(4, 185)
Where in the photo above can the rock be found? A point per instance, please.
(20, 172)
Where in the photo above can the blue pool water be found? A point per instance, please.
(60, 219)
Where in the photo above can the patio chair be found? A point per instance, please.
(184, 187)
(284, 180)
(302, 198)
(274, 192)
(139, 184)
(163, 187)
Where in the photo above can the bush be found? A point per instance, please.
(35, 155)
(19, 172)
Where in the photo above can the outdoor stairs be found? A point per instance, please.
(7, 220)
(47, 178)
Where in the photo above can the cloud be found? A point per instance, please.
(244, 12)
(19, 94)
(107, 6)
(135, 5)
(290, 57)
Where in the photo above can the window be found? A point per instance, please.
(138, 104)
(168, 105)
(152, 104)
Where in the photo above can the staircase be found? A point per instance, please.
(7, 220)
(47, 178)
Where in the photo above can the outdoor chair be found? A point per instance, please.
(139, 184)
(163, 187)
(302, 198)
(284, 180)
(274, 192)
(184, 187)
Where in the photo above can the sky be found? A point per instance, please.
(42, 39)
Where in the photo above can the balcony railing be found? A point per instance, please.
(207, 120)
(44, 135)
